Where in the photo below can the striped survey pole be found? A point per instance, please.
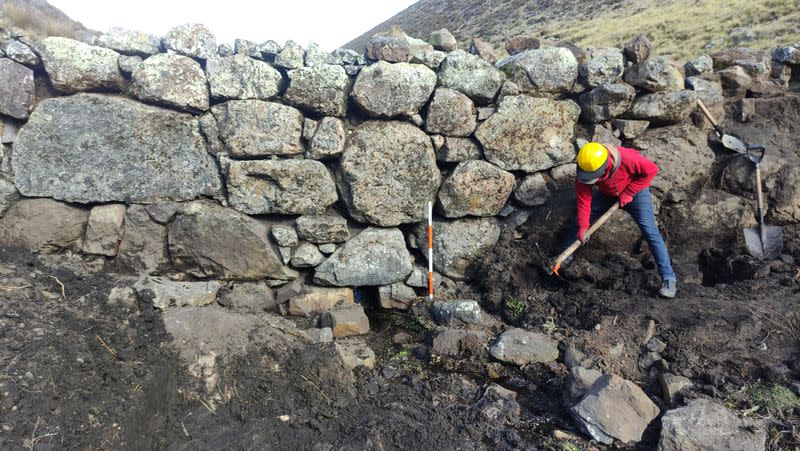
(430, 251)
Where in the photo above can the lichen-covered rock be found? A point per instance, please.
(203, 234)
(471, 75)
(754, 61)
(388, 90)
(327, 228)
(630, 128)
(654, 75)
(709, 91)
(661, 108)
(605, 67)
(475, 188)
(374, 257)
(307, 255)
(129, 42)
(293, 187)
(529, 134)
(172, 80)
(532, 191)
(91, 148)
(43, 225)
(455, 150)
(73, 66)
(701, 65)
(606, 102)
(20, 52)
(192, 40)
(451, 113)
(704, 424)
(786, 55)
(431, 59)
(549, 72)
(638, 49)
(16, 89)
(328, 140)
(522, 347)
(442, 39)
(246, 48)
(387, 173)
(391, 46)
(346, 57)
(457, 244)
(252, 128)
(242, 77)
(292, 56)
(315, 56)
(323, 89)
(104, 230)
(129, 63)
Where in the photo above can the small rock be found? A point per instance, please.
(638, 49)
(648, 359)
(471, 75)
(656, 345)
(322, 335)
(167, 293)
(192, 40)
(459, 313)
(129, 42)
(672, 385)
(347, 320)
(323, 228)
(522, 347)
(129, 64)
(630, 129)
(104, 231)
(356, 353)
(306, 255)
(521, 43)
(396, 296)
(735, 77)
(475, 188)
(458, 149)
(401, 338)
(459, 343)
(499, 405)
(580, 379)
(314, 300)
(483, 49)
(327, 248)
(284, 235)
(654, 75)
(605, 67)
(701, 65)
(246, 48)
(391, 46)
(291, 57)
(532, 191)
(706, 425)
(287, 291)
(451, 113)
(122, 297)
(443, 40)
(328, 140)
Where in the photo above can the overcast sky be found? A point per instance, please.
(329, 23)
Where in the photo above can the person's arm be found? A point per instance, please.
(642, 173)
(583, 202)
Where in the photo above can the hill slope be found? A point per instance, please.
(38, 19)
(681, 28)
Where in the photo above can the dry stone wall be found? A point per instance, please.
(179, 157)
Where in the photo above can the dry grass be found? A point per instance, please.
(38, 23)
(682, 28)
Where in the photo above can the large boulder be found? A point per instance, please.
(705, 425)
(374, 257)
(459, 243)
(323, 89)
(129, 42)
(667, 107)
(292, 56)
(74, 66)
(475, 188)
(392, 46)
(606, 102)
(654, 75)
(549, 72)
(387, 90)
(172, 80)
(442, 39)
(387, 173)
(681, 153)
(605, 67)
(16, 89)
(203, 235)
(242, 77)
(92, 148)
(615, 409)
(193, 40)
(522, 347)
(471, 75)
(43, 225)
(293, 187)
(255, 128)
(451, 113)
(529, 134)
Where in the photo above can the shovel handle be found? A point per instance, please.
(577, 243)
(707, 113)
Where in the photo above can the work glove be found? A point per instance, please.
(624, 199)
(581, 237)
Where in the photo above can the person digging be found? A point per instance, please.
(621, 175)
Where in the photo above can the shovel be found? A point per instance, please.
(729, 141)
(764, 242)
(574, 246)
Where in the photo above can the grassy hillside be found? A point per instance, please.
(38, 19)
(681, 28)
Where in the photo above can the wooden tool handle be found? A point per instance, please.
(593, 228)
(707, 113)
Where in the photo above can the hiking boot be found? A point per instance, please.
(668, 289)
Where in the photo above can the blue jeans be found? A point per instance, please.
(641, 209)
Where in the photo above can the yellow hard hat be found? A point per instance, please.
(592, 162)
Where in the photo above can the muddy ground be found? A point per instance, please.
(79, 372)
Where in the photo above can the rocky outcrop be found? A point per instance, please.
(389, 90)
(73, 66)
(91, 148)
(373, 257)
(171, 80)
(529, 134)
(203, 235)
(242, 77)
(387, 173)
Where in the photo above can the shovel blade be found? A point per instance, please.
(770, 248)
(734, 143)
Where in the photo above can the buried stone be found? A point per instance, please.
(459, 313)
(373, 257)
(522, 347)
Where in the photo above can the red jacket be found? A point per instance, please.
(633, 175)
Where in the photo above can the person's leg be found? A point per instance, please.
(641, 209)
(600, 204)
